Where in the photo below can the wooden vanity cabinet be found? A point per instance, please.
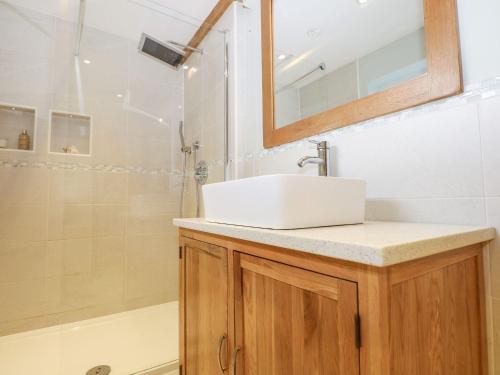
(293, 321)
(292, 313)
(204, 307)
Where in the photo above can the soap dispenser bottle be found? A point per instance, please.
(24, 141)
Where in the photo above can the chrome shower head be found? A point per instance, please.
(170, 53)
(166, 53)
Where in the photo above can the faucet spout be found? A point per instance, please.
(321, 160)
(309, 160)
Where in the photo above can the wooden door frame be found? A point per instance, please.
(443, 79)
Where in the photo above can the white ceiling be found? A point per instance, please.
(163, 19)
(348, 31)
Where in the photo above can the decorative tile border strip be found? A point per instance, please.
(103, 168)
(473, 93)
(82, 167)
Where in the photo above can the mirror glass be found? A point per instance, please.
(332, 52)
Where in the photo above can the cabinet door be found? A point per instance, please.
(203, 308)
(290, 321)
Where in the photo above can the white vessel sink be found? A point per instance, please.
(286, 201)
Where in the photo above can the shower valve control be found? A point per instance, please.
(201, 172)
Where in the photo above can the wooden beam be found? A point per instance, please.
(207, 25)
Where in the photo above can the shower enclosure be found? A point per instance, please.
(88, 253)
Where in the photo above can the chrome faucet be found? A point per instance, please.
(321, 160)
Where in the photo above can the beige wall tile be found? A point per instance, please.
(143, 223)
(108, 270)
(68, 257)
(141, 126)
(148, 248)
(109, 220)
(11, 327)
(75, 292)
(148, 260)
(110, 188)
(108, 252)
(23, 186)
(137, 303)
(72, 187)
(22, 299)
(149, 152)
(68, 221)
(148, 184)
(153, 195)
(172, 286)
(21, 261)
(110, 146)
(146, 280)
(88, 312)
(28, 223)
(107, 285)
(152, 205)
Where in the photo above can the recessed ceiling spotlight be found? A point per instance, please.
(180, 107)
(185, 67)
(119, 95)
(282, 57)
(160, 120)
(86, 61)
(13, 108)
(362, 2)
(314, 33)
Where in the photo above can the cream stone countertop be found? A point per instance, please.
(373, 243)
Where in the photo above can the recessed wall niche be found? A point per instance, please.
(13, 121)
(70, 133)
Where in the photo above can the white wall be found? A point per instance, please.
(436, 163)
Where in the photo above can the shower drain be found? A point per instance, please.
(99, 370)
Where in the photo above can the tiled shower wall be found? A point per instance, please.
(86, 236)
(439, 163)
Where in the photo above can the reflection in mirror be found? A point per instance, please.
(331, 52)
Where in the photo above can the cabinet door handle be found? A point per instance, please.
(235, 357)
(222, 339)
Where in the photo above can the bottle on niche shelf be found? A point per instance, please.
(24, 141)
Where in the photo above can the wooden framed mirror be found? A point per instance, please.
(332, 63)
